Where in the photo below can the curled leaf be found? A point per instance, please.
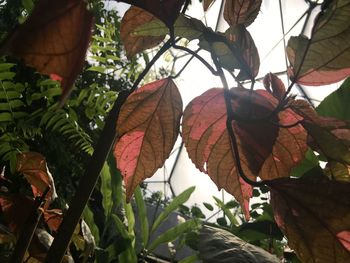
(241, 11)
(132, 19)
(315, 217)
(54, 39)
(274, 85)
(147, 129)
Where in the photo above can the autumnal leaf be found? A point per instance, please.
(274, 85)
(53, 218)
(34, 168)
(330, 136)
(327, 59)
(207, 4)
(133, 18)
(265, 149)
(336, 104)
(238, 12)
(54, 39)
(315, 217)
(219, 246)
(147, 129)
(166, 11)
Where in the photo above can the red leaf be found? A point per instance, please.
(274, 85)
(265, 150)
(241, 11)
(315, 217)
(147, 129)
(132, 19)
(166, 11)
(53, 218)
(33, 166)
(54, 39)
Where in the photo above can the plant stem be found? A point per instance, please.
(92, 171)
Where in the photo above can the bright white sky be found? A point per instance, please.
(266, 32)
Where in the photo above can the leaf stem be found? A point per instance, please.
(92, 171)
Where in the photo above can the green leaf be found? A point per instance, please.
(89, 219)
(97, 69)
(173, 233)
(327, 59)
(106, 190)
(142, 213)
(310, 161)
(177, 201)
(189, 259)
(7, 75)
(6, 66)
(5, 116)
(28, 5)
(208, 206)
(336, 104)
(227, 212)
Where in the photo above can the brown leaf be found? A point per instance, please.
(147, 129)
(274, 85)
(238, 12)
(53, 218)
(338, 171)
(166, 11)
(207, 4)
(314, 216)
(265, 149)
(54, 39)
(132, 19)
(34, 168)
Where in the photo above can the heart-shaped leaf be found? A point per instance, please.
(327, 59)
(132, 19)
(265, 149)
(315, 217)
(241, 11)
(54, 39)
(147, 129)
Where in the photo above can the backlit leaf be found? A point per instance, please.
(54, 39)
(34, 168)
(265, 149)
(207, 4)
(330, 136)
(327, 59)
(314, 216)
(241, 11)
(274, 85)
(133, 18)
(147, 129)
(166, 11)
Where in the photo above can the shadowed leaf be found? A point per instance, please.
(241, 11)
(327, 59)
(54, 39)
(315, 217)
(166, 11)
(147, 129)
(274, 85)
(34, 168)
(133, 18)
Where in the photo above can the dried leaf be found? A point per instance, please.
(265, 149)
(238, 12)
(315, 217)
(132, 19)
(147, 129)
(207, 4)
(274, 85)
(327, 59)
(34, 168)
(54, 39)
(167, 11)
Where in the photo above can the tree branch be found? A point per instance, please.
(92, 171)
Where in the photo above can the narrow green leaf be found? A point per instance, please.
(141, 208)
(89, 219)
(121, 228)
(106, 189)
(97, 69)
(5, 116)
(190, 259)
(7, 75)
(173, 233)
(177, 201)
(227, 212)
(6, 66)
(208, 206)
